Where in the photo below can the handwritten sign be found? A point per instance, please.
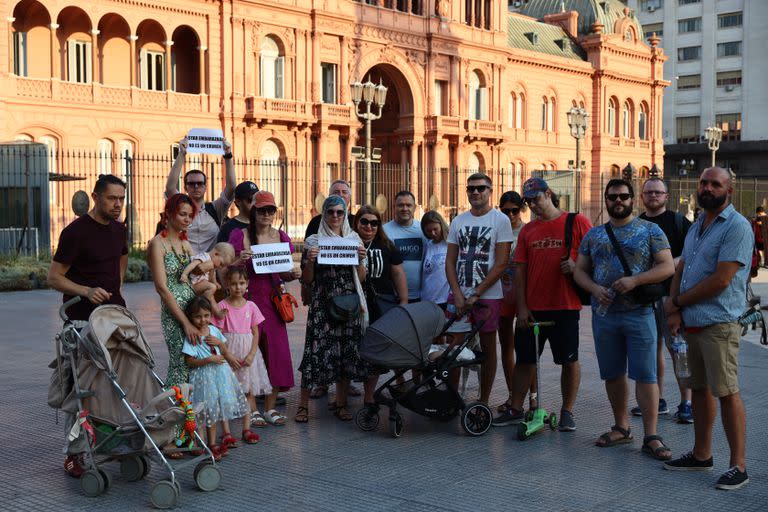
(337, 251)
(271, 258)
(205, 140)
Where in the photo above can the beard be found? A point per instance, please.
(709, 201)
(618, 211)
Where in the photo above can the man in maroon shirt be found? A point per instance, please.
(90, 262)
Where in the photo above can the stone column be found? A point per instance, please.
(168, 80)
(453, 107)
(95, 67)
(55, 57)
(132, 41)
(11, 30)
(316, 37)
(343, 84)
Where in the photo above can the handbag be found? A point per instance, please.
(645, 294)
(343, 308)
(284, 302)
(584, 296)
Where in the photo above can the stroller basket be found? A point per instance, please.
(402, 337)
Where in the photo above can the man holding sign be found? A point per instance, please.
(204, 229)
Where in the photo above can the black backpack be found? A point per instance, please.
(208, 207)
(584, 296)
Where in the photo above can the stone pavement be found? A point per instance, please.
(330, 465)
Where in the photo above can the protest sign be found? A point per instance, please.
(205, 140)
(337, 251)
(270, 258)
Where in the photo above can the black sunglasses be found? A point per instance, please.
(623, 196)
(334, 213)
(267, 210)
(365, 222)
(477, 188)
(193, 184)
(512, 211)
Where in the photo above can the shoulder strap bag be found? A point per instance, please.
(645, 294)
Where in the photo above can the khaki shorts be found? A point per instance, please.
(713, 356)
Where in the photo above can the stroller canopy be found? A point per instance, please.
(401, 338)
(112, 329)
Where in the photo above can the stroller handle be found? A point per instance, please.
(66, 305)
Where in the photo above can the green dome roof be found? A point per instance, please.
(590, 11)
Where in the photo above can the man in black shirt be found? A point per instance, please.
(244, 194)
(675, 226)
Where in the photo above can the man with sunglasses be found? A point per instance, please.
(478, 251)
(204, 230)
(545, 292)
(623, 329)
(405, 232)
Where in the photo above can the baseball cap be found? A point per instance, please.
(264, 198)
(245, 190)
(533, 187)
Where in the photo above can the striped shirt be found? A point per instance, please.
(728, 238)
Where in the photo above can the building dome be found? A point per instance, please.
(607, 12)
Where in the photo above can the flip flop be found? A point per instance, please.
(607, 442)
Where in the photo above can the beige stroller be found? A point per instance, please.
(120, 402)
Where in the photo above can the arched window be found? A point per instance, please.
(520, 110)
(626, 120)
(270, 169)
(104, 156)
(544, 112)
(23, 137)
(551, 116)
(642, 123)
(478, 97)
(474, 162)
(612, 117)
(271, 69)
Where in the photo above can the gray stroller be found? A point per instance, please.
(121, 405)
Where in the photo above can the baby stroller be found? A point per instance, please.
(120, 402)
(400, 341)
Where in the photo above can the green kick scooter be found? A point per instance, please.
(538, 418)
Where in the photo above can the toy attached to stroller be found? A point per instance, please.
(400, 341)
(121, 406)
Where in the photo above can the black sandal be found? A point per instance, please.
(607, 441)
(656, 452)
(342, 413)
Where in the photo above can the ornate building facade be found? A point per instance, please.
(470, 85)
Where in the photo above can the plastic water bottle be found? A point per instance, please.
(680, 351)
(602, 309)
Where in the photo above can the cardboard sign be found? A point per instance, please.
(205, 140)
(337, 251)
(271, 258)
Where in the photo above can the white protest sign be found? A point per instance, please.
(205, 140)
(270, 258)
(337, 251)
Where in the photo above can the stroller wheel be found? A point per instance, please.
(107, 479)
(164, 494)
(132, 468)
(207, 476)
(147, 465)
(396, 424)
(367, 420)
(92, 483)
(476, 419)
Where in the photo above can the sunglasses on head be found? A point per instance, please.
(510, 211)
(267, 210)
(623, 196)
(334, 213)
(477, 188)
(365, 222)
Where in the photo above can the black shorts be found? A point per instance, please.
(563, 337)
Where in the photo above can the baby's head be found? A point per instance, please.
(199, 311)
(223, 254)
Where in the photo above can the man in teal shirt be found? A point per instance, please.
(405, 232)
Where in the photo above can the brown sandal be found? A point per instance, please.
(342, 413)
(302, 415)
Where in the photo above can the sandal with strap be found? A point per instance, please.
(274, 418)
(217, 452)
(250, 437)
(661, 452)
(228, 441)
(342, 413)
(257, 420)
(607, 441)
(302, 415)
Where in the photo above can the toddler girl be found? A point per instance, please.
(241, 327)
(201, 272)
(214, 383)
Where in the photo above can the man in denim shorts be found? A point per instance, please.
(706, 298)
(625, 330)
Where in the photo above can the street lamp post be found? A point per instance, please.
(577, 120)
(714, 135)
(369, 93)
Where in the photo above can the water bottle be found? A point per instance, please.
(680, 351)
(602, 309)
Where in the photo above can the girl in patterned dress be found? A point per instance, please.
(214, 384)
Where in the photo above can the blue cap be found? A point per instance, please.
(533, 187)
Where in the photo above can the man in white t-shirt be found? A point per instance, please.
(405, 233)
(478, 249)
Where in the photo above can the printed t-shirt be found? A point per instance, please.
(410, 241)
(239, 320)
(434, 283)
(541, 247)
(379, 261)
(93, 251)
(476, 238)
(639, 240)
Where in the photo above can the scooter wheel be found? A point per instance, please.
(476, 419)
(522, 432)
(552, 421)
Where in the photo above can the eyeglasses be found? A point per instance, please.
(510, 211)
(267, 210)
(530, 200)
(334, 213)
(477, 188)
(613, 197)
(365, 222)
(195, 184)
(654, 192)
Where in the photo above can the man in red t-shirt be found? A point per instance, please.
(545, 292)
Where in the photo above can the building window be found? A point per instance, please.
(125, 157)
(440, 107)
(478, 97)
(728, 20)
(653, 28)
(519, 110)
(651, 5)
(730, 49)
(104, 157)
(688, 82)
(686, 2)
(271, 72)
(551, 115)
(689, 25)
(612, 107)
(730, 124)
(729, 78)
(689, 53)
(329, 82)
(79, 61)
(688, 129)
(626, 120)
(153, 70)
(20, 54)
(478, 13)
(642, 123)
(544, 112)
(511, 111)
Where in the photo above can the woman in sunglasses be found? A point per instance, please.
(272, 332)
(331, 345)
